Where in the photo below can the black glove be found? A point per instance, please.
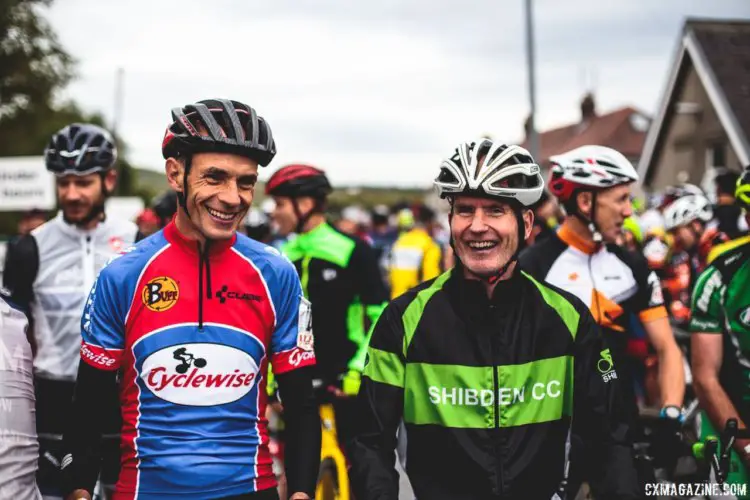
(668, 445)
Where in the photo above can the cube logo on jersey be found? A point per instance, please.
(160, 294)
(199, 374)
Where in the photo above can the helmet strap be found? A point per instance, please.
(182, 197)
(590, 224)
(106, 192)
(302, 218)
(696, 234)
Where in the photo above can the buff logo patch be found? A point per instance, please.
(160, 294)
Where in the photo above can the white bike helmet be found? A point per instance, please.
(673, 193)
(256, 217)
(356, 214)
(588, 167)
(505, 171)
(687, 209)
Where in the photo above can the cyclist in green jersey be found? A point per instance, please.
(339, 275)
(720, 327)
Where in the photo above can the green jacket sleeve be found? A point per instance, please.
(706, 314)
(373, 298)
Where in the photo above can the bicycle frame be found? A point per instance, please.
(330, 453)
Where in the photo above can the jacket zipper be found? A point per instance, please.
(88, 264)
(496, 382)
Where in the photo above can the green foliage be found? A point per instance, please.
(28, 132)
(33, 64)
(34, 68)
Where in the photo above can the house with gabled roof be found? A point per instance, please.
(623, 129)
(703, 119)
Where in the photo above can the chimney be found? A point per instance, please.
(588, 107)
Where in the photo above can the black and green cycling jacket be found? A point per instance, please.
(490, 391)
(341, 278)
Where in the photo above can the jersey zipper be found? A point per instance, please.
(203, 259)
(200, 287)
(88, 264)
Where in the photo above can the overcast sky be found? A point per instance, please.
(374, 92)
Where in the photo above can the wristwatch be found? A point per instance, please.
(671, 412)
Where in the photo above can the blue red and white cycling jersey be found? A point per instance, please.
(193, 336)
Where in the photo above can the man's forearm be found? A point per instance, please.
(302, 431)
(671, 375)
(81, 461)
(373, 450)
(719, 407)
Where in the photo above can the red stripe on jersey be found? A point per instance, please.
(101, 358)
(127, 483)
(292, 359)
(264, 461)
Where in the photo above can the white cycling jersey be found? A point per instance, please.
(18, 442)
(69, 260)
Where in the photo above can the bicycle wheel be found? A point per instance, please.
(328, 483)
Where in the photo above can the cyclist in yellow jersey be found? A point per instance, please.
(415, 257)
(742, 196)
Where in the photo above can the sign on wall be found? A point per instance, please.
(25, 184)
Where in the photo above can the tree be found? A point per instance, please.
(33, 64)
(28, 132)
(34, 68)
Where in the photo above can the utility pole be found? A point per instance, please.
(533, 136)
(119, 97)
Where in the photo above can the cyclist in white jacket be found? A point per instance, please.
(18, 443)
(50, 272)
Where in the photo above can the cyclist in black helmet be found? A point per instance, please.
(165, 206)
(194, 315)
(49, 271)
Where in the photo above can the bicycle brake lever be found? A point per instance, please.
(728, 438)
(709, 454)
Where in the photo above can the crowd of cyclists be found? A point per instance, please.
(505, 342)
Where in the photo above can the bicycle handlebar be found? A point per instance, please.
(709, 448)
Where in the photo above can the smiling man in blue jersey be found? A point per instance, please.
(192, 316)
